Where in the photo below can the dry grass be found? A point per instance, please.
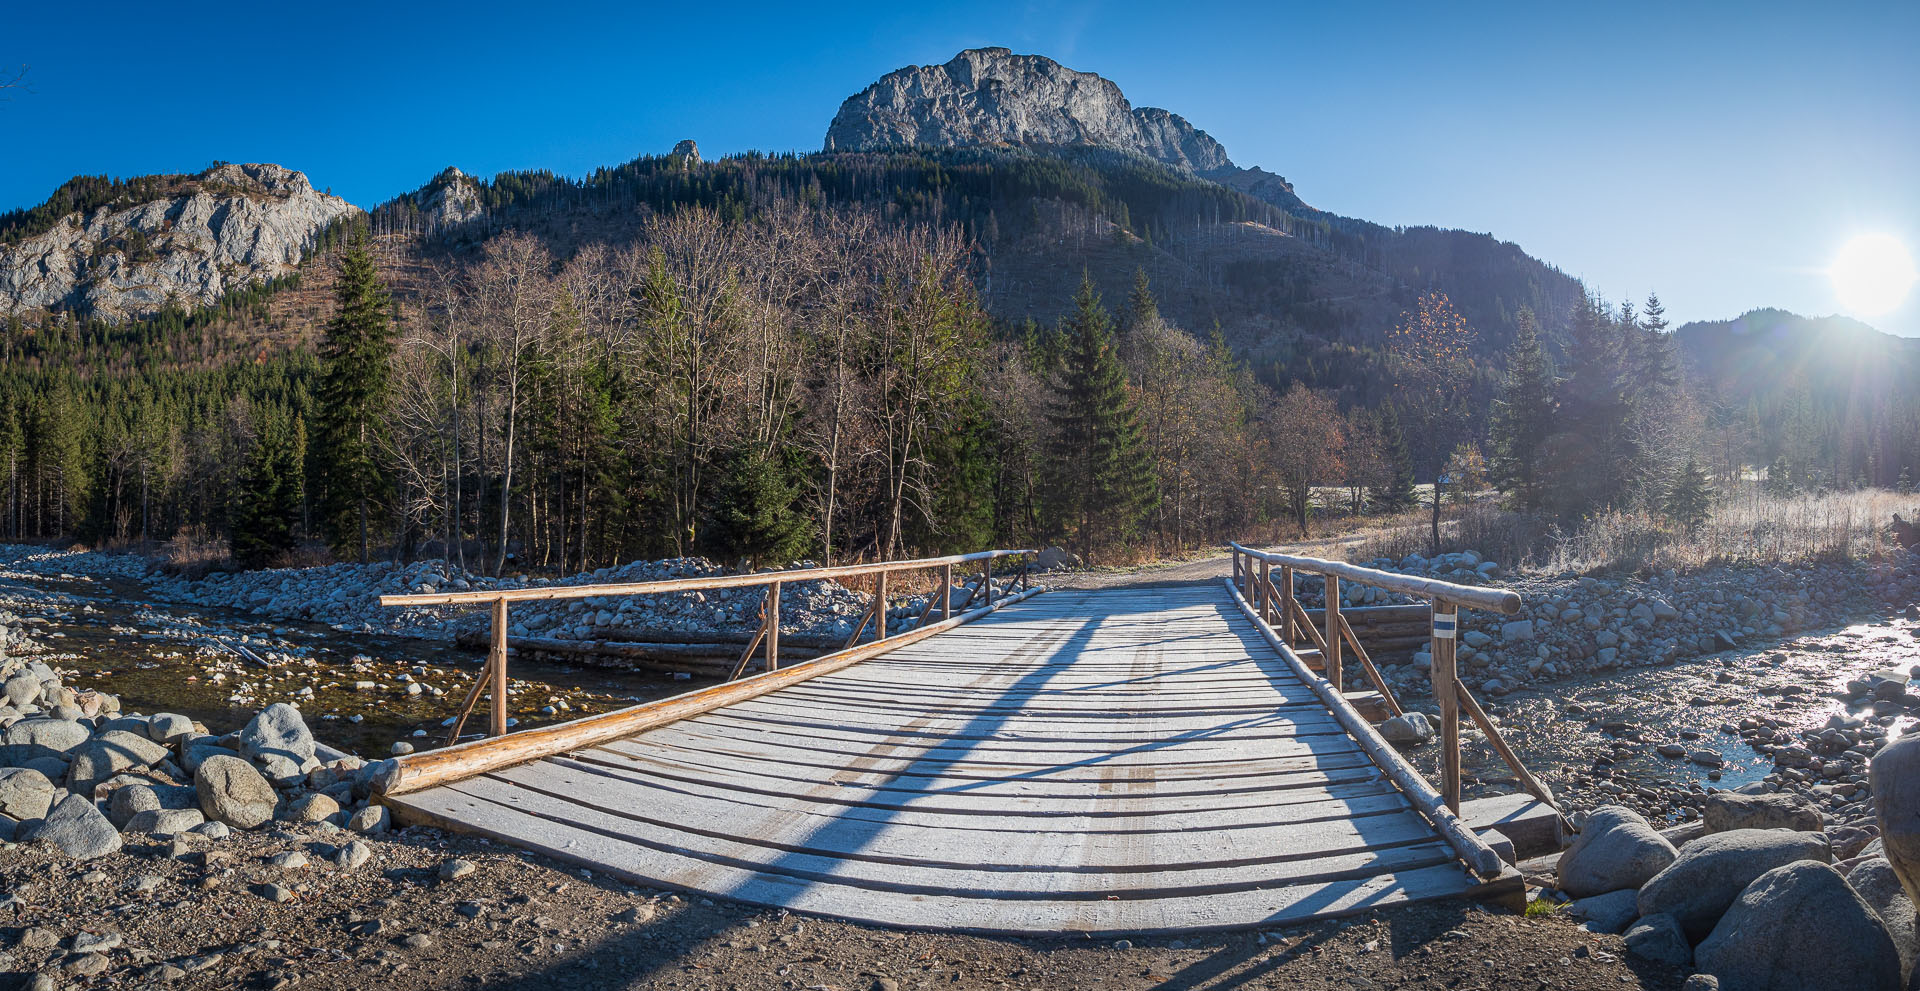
(1748, 527)
(193, 552)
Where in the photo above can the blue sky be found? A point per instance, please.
(1719, 153)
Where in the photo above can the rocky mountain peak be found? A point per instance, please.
(450, 198)
(990, 96)
(198, 238)
(687, 151)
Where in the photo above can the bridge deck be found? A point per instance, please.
(1124, 760)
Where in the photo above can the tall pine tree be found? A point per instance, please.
(1102, 480)
(267, 504)
(351, 403)
(1523, 417)
(1398, 493)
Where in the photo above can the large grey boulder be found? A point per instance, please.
(1726, 810)
(25, 793)
(129, 801)
(1713, 870)
(1799, 927)
(76, 826)
(22, 689)
(278, 742)
(231, 791)
(1615, 849)
(1877, 884)
(1894, 777)
(165, 823)
(1659, 938)
(109, 754)
(194, 749)
(1612, 912)
(165, 727)
(30, 739)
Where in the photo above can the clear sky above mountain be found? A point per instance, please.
(1718, 153)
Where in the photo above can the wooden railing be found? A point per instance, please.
(1277, 607)
(767, 637)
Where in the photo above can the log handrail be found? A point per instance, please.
(1497, 600)
(497, 600)
(550, 592)
(1446, 599)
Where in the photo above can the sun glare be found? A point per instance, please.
(1872, 274)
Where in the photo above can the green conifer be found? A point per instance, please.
(1101, 478)
(1523, 417)
(1689, 500)
(351, 402)
(1398, 493)
(755, 510)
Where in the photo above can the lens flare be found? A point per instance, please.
(1872, 274)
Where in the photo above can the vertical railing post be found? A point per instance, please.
(946, 591)
(1266, 592)
(1287, 631)
(1446, 618)
(773, 627)
(1333, 633)
(497, 667)
(880, 604)
(986, 579)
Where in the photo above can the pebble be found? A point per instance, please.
(455, 869)
(417, 941)
(289, 860)
(276, 893)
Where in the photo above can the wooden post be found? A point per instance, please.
(946, 592)
(986, 579)
(497, 667)
(880, 605)
(1287, 633)
(1443, 690)
(1266, 593)
(773, 627)
(1333, 634)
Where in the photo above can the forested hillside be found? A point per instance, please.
(768, 357)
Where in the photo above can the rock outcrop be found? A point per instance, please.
(450, 199)
(221, 230)
(990, 96)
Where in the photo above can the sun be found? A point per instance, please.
(1872, 274)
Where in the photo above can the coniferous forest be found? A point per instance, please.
(768, 359)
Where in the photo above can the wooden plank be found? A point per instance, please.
(1247, 835)
(976, 863)
(440, 807)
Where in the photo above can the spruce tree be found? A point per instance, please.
(1398, 493)
(1779, 480)
(1689, 500)
(351, 402)
(755, 510)
(267, 499)
(1523, 417)
(1102, 480)
(1594, 451)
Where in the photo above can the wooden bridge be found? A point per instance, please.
(1131, 760)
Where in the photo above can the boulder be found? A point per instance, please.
(22, 689)
(1713, 870)
(1894, 777)
(165, 727)
(1517, 631)
(1056, 557)
(25, 793)
(1781, 810)
(1799, 927)
(76, 826)
(312, 808)
(231, 791)
(30, 739)
(129, 801)
(1659, 938)
(164, 823)
(278, 742)
(109, 754)
(1410, 729)
(194, 749)
(1615, 849)
(1612, 912)
(371, 820)
(1877, 885)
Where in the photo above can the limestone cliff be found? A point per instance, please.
(210, 234)
(992, 96)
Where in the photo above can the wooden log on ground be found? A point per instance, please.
(414, 772)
